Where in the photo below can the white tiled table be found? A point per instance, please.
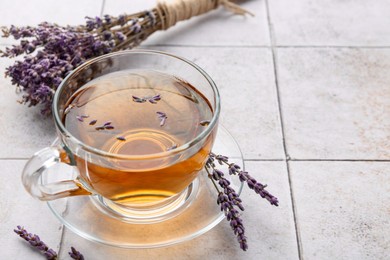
(305, 90)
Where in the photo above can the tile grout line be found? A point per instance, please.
(61, 241)
(339, 160)
(102, 9)
(287, 157)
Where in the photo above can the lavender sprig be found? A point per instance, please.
(232, 215)
(36, 242)
(244, 176)
(228, 199)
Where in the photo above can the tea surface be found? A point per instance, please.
(123, 101)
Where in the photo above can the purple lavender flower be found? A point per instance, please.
(252, 183)
(121, 138)
(162, 116)
(228, 199)
(75, 254)
(154, 99)
(93, 122)
(232, 216)
(56, 50)
(139, 100)
(36, 242)
(258, 187)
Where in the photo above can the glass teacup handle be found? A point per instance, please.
(40, 163)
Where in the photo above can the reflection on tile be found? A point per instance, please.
(331, 22)
(342, 209)
(335, 102)
(270, 230)
(19, 208)
(206, 29)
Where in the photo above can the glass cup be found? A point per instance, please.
(153, 193)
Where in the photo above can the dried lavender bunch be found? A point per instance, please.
(36, 242)
(228, 198)
(53, 50)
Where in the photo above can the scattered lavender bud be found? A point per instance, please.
(107, 123)
(80, 118)
(93, 122)
(84, 116)
(121, 138)
(204, 123)
(100, 128)
(75, 254)
(108, 127)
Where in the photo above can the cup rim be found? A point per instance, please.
(177, 150)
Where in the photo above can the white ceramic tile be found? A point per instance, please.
(18, 208)
(331, 22)
(245, 79)
(219, 27)
(335, 102)
(23, 130)
(270, 230)
(342, 209)
(23, 13)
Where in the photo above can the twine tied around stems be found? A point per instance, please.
(174, 11)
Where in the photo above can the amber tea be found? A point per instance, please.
(139, 113)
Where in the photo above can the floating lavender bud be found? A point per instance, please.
(108, 127)
(163, 117)
(154, 99)
(100, 128)
(80, 118)
(75, 254)
(93, 122)
(138, 100)
(107, 123)
(121, 138)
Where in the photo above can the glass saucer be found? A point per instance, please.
(84, 216)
